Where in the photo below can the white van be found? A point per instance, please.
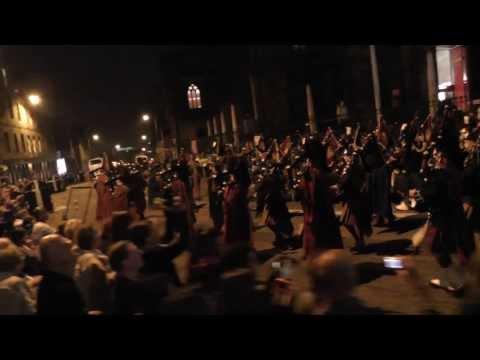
(95, 164)
(141, 160)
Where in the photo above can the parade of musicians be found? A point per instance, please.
(344, 216)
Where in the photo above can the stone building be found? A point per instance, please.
(25, 149)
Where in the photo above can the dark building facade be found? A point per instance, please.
(262, 89)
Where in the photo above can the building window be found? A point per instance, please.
(24, 148)
(7, 142)
(32, 143)
(194, 97)
(29, 144)
(17, 149)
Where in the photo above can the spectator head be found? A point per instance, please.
(86, 238)
(71, 228)
(11, 258)
(40, 214)
(333, 275)
(18, 236)
(140, 233)
(121, 220)
(40, 230)
(28, 224)
(56, 254)
(125, 258)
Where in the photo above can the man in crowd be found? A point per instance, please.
(58, 294)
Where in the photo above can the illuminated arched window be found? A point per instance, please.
(194, 98)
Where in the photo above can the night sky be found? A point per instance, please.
(102, 88)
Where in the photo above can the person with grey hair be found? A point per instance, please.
(333, 280)
(16, 295)
(39, 230)
(58, 293)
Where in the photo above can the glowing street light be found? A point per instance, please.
(144, 137)
(144, 149)
(34, 99)
(145, 117)
(118, 147)
(95, 137)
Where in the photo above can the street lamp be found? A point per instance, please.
(144, 137)
(34, 99)
(144, 149)
(153, 128)
(95, 137)
(117, 147)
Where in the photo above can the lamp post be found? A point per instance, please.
(376, 83)
(147, 118)
(95, 138)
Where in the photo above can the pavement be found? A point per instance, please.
(377, 287)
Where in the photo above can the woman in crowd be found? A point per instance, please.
(92, 270)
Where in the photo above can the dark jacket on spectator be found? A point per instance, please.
(138, 296)
(58, 295)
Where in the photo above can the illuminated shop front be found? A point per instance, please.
(453, 80)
